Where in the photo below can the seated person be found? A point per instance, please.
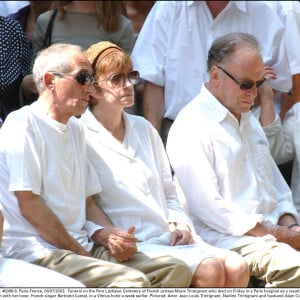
(234, 191)
(135, 175)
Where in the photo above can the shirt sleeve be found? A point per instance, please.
(91, 228)
(281, 141)
(22, 153)
(150, 48)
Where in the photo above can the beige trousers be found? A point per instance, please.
(277, 264)
(102, 270)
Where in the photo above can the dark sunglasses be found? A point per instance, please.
(118, 80)
(244, 85)
(83, 78)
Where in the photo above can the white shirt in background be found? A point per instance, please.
(172, 46)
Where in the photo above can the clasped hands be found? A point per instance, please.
(180, 234)
(120, 242)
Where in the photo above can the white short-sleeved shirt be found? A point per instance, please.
(289, 13)
(46, 157)
(227, 174)
(172, 46)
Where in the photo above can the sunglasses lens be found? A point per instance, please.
(246, 85)
(134, 77)
(117, 80)
(83, 78)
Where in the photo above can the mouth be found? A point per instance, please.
(85, 100)
(248, 102)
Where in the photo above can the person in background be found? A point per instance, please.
(170, 51)
(103, 20)
(234, 191)
(27, 17)
(46, 184)
(137, 188)
(289, 12)
(18, 273)
(15, 63)
(283, 138)
(137, 12)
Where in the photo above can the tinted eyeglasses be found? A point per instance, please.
(244, 85)
(83, 78)
(118, 80)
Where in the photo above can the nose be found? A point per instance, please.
(89, 88)
(252, 91)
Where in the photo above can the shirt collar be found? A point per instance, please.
(217, 109)
(241, 5)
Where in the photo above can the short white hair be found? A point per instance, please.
(54, 58)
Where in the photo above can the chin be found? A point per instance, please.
(128, 103)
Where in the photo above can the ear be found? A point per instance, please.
(214, 75)
(49, 80)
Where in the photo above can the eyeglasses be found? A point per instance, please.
(118, 80)
(244, 85)
(83, 78)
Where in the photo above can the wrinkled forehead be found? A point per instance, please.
(245, 57)
(79, 61)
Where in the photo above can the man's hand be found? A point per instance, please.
(286, 235)
(180, 235)
(121, 243)
(265, 94)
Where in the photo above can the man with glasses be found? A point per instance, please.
(234, 191)
(46, 184)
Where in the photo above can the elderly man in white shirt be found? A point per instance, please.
(172, 58)
(234, 191)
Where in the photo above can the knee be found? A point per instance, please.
(174, 272)
(237, 271)
(209, 273)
